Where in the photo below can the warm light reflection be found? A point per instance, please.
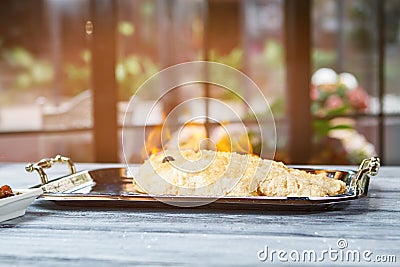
(193, 136)
(153, 142)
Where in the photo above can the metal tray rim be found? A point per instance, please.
(110, 199)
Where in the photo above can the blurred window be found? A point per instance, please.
(53, 84)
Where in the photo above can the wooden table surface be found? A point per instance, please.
(53, 235)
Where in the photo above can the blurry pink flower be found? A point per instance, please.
(314, 94)
(358, 98)
(334, 102)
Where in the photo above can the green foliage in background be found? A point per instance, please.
(131, 72)
(322, 127)
(323, 58)
(31, 72)
(273, 54)
(235, 60)
(126, 28)
(34, 73)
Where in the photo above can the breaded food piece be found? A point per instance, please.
(210, 173)
(284, 181)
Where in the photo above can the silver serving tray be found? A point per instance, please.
(114, 187)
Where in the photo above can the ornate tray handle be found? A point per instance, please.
(368, 166)
(47, 163)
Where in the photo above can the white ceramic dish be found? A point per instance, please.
(15, 206)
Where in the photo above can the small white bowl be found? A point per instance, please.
(15, 206)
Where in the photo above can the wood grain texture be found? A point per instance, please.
(52, 235)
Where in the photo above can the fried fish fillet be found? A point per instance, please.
(210, 173)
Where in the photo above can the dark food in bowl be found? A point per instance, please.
(6, 191)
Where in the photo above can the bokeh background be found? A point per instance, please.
(330, 70)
